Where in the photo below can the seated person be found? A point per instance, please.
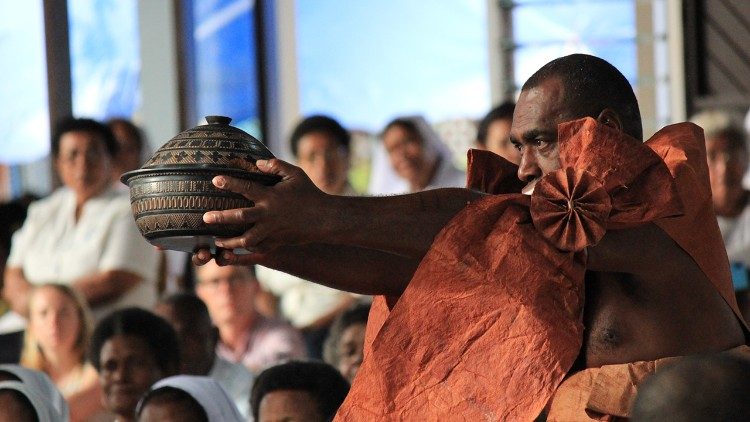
(298, 391)
(321, 146)
(56, 341)
(419, 156)
(189, 317)
(187, 398)
(245, 336)
(698, 388)
(344, 347)
(83, 234)
(36, 389)
(130, 145)
(726, 152)
(493, 133)
(132, 349)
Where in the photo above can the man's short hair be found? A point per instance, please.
(188, 304)
(320, 123)
(133, 132)
(71, 124)
(502, 112)
(590, 85)
(155, 332)
(322, 381)
(696, 388)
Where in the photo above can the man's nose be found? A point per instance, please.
(528, 168)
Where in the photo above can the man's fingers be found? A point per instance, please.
(242, 216)
(248, 241)
(277, 167)
(201, 257)
(246, 188)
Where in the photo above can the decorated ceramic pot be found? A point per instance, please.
(172, 191)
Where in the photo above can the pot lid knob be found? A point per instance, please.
(218, 120)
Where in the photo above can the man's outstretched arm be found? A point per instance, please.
(352, 269)
(295, 212)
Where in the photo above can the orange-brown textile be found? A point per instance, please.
(683, 149)
(491, 321)
(608, 392)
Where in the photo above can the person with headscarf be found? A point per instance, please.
(187, 398)
(37, 388)
(418, 156)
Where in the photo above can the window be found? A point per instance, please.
(222, 62)
(366, 63)
(24, 132)
(104, 58)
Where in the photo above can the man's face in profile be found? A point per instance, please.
(534, 130)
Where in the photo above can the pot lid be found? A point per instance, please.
(214, 145)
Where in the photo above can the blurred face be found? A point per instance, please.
(54, 320)
(324, 160)
(407, 154)
(128, 369)
(83, 164)
(128, 154)
(351, 350)
(498, 141)
(228, 291)
(197, 340)
(168, 411)
(288, 406)
(726, 168)
(534, 130)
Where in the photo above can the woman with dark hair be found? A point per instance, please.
(344, 347)
(298, 391)
(132, 349)
(83, 234)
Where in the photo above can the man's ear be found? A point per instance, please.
(610, 118)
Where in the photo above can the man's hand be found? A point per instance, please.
(288, 213)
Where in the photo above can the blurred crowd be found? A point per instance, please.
(98, 325)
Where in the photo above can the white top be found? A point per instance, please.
(736, 234)
(236, 380)
(301, 302)
(52, 247)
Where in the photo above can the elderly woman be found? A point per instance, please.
(418, 155)
(132, 349)
(56, 341)
(83, 234)
(187, 398)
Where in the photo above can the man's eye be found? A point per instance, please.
(516, 145)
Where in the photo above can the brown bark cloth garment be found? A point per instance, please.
(491, 321)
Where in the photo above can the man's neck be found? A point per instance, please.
(60, 366)
(234, 333)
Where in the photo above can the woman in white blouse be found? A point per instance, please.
(83, 234)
